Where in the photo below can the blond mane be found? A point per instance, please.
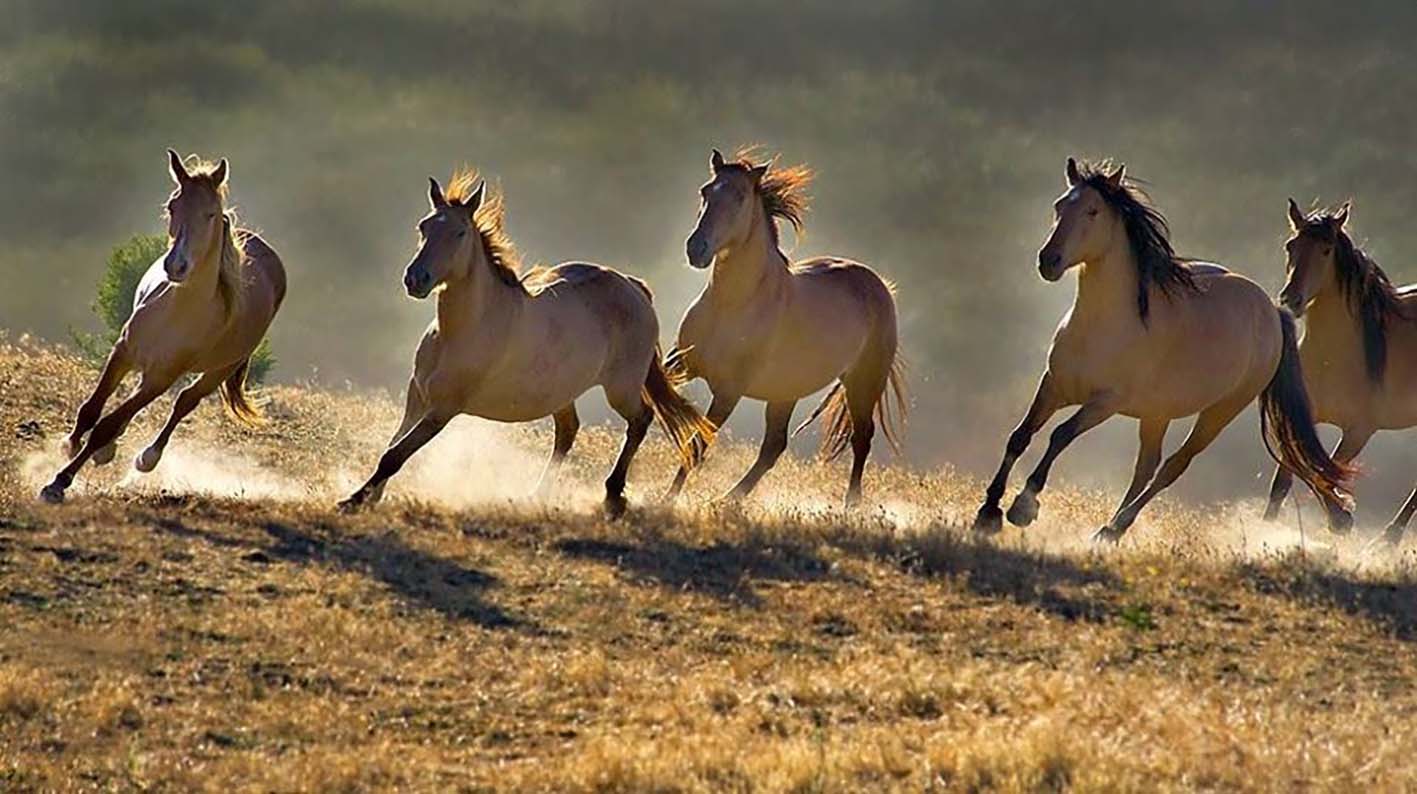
(489, 220)
(783, 190)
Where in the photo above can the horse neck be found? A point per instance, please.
(1107, 288)
(1333, 318)
(751, 271)
(203, 283)
(476, 301)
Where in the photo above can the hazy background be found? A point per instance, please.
(938, 131)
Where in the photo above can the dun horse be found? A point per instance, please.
(1157, 338)
(1353, 317)
(776, 331)
(202, 308)
(515, 348)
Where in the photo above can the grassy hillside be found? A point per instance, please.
(216, 626)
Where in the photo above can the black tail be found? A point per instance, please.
(1287, 424)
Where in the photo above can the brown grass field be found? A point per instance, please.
(216, 626)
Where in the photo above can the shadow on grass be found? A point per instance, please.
(418, 578)
(1061, 586)
(1389, 603)
(723, 570)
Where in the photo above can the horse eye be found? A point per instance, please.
(462, 233)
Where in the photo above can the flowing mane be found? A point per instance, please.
(1150, 237)
(489, 221)
(783, 190)
(233, 253)
(1371, 296)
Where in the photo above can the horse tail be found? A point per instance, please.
(690, 432)
(891, 409)
(1287, 426)
(237, 400)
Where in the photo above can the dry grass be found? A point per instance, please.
(217, 627)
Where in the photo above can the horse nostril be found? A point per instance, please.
(1048, 260)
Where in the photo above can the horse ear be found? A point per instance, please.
(1072, 173)
(759, 171)
(1341, 217)
(716, 160)
(219, 174)
(435, 194)
(1117, 176)
(471, 203)
(1296, 216)
(176, 168)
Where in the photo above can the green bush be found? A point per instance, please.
(126, 264)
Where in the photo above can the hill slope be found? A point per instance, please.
(218, 627)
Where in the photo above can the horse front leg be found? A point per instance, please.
(395, 457)
(187, 401)
(104, 433)
(720, 408)
(1094, 412)
(115, 368)
(776, 419)
(1046, 402)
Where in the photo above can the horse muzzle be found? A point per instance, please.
(699, 253)
(418, 283)
(176, 267)
(1294, 303)
(1050, 266)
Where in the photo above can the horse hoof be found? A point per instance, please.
(853, 501)
(1024, 509)
(52, 494)
(615, 506)
(147, 459)
(1271, 512)
(351, 505)
(105, 454)
(1392, 536)
(1109, 535)
(989, 520)
(1340, 522)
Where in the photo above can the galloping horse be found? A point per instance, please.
(202, 308)
(774, 331)
(1157, 338)
(1353, 317)
(515, 348)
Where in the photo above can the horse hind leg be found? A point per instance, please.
(863, 396)
(631, 405)
(1208, 425)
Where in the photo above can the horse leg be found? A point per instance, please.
(104, 433)
(862, 397)
(1340, 520)
(1097, 409)
(413, 410)
(186, 402)
(719, 410)
(567, 424)
(777, 417)
(396, 456)
(1208, 425)
(114, 370)
(1278, 489)
(1395, 528)
(1152, 434)
(638, 417)
(1046, 402)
